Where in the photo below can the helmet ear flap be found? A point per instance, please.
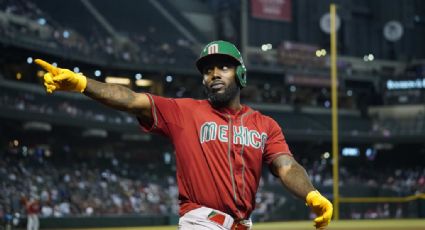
(241, 74)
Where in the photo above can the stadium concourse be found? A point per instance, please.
(90, 166)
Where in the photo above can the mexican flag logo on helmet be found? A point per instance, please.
(227, 49)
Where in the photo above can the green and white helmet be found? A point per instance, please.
(227, 49)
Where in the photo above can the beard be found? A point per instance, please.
(223, 99)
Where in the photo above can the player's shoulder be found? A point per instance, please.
(190, 102)
(182, 101)
(179, 102)
(262, 118)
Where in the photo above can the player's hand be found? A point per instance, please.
(322, 207)
(61, 79)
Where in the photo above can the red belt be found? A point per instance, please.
(220, 218)
(238, 226)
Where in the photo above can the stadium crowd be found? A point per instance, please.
(27, 101)
(150, 48)
(30, 102)
(80, 190)
(402, 181)
(105, 186)
(108, 184)
(26, 22)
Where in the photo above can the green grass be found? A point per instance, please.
(401, 224)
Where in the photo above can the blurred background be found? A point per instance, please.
(88, 165)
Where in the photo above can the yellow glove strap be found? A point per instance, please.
(310, 197)
(82, 82)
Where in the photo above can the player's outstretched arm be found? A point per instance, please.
(114, 96)
(294, 177)
(119, 97)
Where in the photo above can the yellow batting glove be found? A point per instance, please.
(61, 79)
(322, 207)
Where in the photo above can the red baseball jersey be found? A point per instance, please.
(219, 152)
(33, 207)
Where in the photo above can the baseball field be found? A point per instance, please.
(416, 224)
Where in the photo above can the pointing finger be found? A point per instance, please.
(48, 67)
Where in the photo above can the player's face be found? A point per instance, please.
(220, 81)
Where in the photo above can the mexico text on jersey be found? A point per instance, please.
(210, 131)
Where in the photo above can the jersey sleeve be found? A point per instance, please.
(165, 114)
(276, 144)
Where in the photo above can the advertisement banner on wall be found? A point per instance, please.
(280, 10)
(405, 84)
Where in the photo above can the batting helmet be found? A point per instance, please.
(226, 49)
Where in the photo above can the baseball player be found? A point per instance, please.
(220, 143)
(33, 208)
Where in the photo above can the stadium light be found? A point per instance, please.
(40, 73)
(327, 104)
(320, 53)
(143, 83)
(350, 152)
(66, 34)
(265, 47)
(368, 57)
(167, 158)
(138, 76)
(326, 155)
(117, 80)
(42, 21)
